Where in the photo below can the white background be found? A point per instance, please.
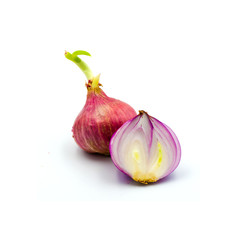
(177, 60)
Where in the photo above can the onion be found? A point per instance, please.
(101, 116)
(145, 149)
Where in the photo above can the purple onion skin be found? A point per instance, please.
(157, 128)
(99, 119)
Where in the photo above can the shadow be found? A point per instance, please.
(71, 149)
(96, 167)
(93, 156)
(75, 155)
(102, 166)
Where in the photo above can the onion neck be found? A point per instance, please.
(95, 92)
(93, 82)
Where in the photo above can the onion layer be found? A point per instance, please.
(145, 149)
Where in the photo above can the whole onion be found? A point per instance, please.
(145, 149)
(101, 116)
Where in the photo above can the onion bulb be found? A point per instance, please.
(145, 149)
(101, 116)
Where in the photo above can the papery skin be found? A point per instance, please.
(153, 137)
(100, 118)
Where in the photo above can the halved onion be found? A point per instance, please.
(145, 149)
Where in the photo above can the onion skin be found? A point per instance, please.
(145, 149)
(100, 118)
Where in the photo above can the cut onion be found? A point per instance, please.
(145, 149)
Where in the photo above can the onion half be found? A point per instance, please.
(145, 149)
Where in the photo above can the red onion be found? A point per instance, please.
(101, 116)
(145, 149)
